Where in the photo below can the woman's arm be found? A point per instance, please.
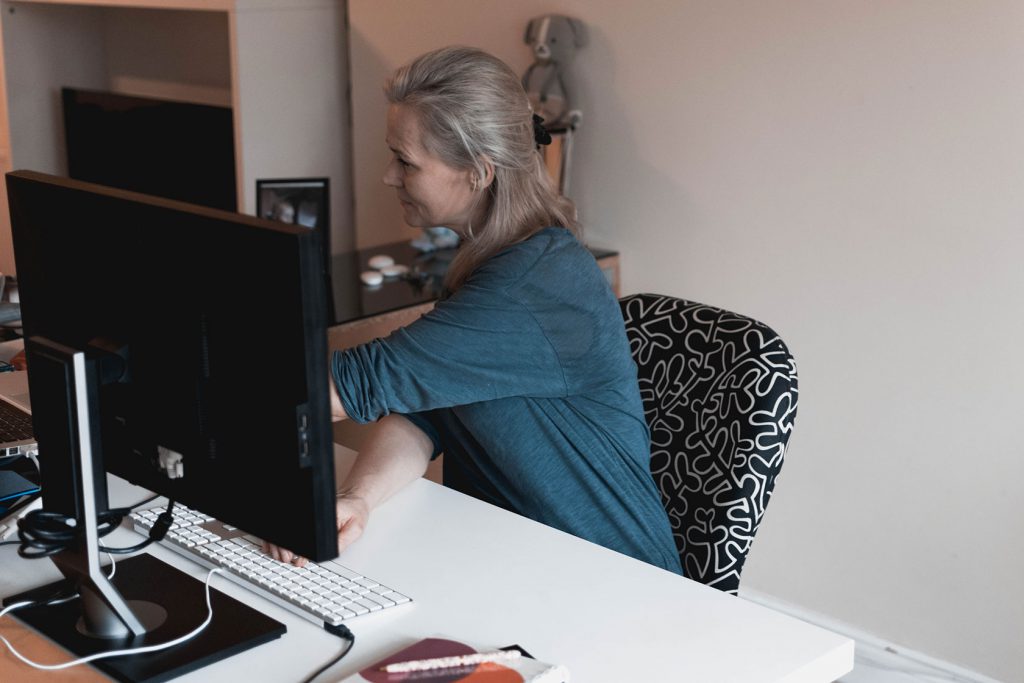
(475, 346)
(396, 453)
(337, 409)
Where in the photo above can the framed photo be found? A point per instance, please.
(300, 201)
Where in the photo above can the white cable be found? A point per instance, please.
(11, 608)
(114, 653)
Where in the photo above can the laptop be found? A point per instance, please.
(19, 490)
(16, 435)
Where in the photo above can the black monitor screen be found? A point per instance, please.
(176, 150)
(210, 334)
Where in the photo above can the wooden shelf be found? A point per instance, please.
(282, 65)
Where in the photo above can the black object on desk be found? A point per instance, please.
(159, 386)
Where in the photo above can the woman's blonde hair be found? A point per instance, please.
(471, 107)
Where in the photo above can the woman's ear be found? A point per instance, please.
(484, 181)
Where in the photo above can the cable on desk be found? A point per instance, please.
(341, 631)
(160, 528)
(42, 533)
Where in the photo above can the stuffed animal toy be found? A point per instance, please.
(554, 40)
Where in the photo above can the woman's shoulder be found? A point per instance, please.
(547, 249)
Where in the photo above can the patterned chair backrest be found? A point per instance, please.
(720, 397)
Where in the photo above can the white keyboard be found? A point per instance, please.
(327, 592)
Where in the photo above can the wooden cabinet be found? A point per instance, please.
(282, 65)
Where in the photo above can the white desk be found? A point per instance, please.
(490, 578)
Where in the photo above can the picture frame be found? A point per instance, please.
(299, 201)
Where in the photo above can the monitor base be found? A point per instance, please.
(234, 628)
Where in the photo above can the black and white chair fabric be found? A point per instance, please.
(720, 397)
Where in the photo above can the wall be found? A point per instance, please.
(33, 111)
(291, 67)
(851, 173)
(169, 54)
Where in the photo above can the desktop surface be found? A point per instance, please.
(488, 577)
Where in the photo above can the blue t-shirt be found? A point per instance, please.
(523, 378)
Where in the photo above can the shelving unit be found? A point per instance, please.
(281, 64)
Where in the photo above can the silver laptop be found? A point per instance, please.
(16, 436)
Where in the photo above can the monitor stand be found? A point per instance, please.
(141, 579)
(147, 602)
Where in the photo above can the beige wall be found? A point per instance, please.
(850, 173)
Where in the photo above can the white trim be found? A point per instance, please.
(872, 651)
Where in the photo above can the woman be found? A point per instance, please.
(521, 375)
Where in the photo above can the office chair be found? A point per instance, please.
(720, 396)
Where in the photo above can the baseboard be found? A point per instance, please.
(872, 651)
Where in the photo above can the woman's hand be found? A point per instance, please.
(353, 513)
(282, 555)
(396, 453)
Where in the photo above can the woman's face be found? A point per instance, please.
(431, 192)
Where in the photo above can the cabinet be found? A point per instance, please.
(282, 65)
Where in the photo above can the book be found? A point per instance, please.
(524, 669)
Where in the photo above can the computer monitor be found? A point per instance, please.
(166, 148)
(181, 348)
